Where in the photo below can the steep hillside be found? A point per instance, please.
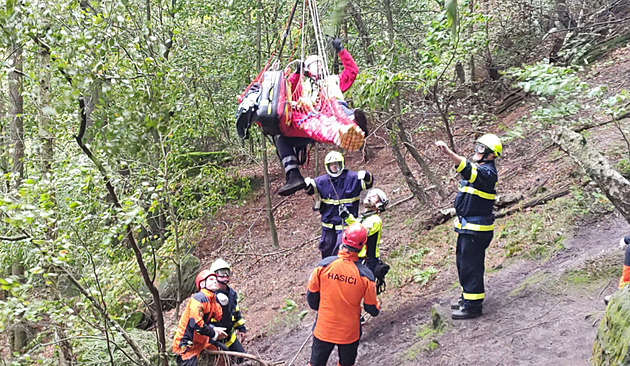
(548, 267)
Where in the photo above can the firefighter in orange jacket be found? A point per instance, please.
(195, 331)
(336, 288)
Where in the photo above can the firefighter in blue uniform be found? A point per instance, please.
(232, 320)
(338, 189)
(475, 220)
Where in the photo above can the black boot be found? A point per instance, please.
(295, 182)
(361, 120)
(466, 313)
(458, 304)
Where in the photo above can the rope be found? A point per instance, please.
(310, 334)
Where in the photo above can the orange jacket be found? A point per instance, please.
(194, 324)
(335, 290)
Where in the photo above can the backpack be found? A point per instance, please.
(274, 107)
(380, 270)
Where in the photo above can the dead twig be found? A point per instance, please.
(533, 326)
(604, 289)
(240, 355)
(401, 201)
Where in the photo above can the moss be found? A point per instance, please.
(613, 334)
(529, 281)
(592, 275)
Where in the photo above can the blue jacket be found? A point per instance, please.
(335, 191)
(232, 318)
(475, 199)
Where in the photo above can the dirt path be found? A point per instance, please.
(535, 313)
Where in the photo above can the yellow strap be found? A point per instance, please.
(331, 201)
(240, 322)
(474, 227)
(331, 226)
(467, 296)
(473, 174)
(231, 340)
(482, 194)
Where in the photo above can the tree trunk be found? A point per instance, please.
(263, 139)
(414, 187)
(46, 156)
(16, 110)
(402, 134)
(18, 334)
(4, 164)
(597, 167)
(471, 59)
(45, 128)
(393, 124)
(364, 36)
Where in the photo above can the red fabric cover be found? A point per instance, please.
(323, 126)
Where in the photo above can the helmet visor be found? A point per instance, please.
(334, 167)
(223, 272)
(480, 148)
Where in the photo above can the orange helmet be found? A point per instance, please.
(355, 236)
(202, 277)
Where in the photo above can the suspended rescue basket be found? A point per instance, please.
(272, 102)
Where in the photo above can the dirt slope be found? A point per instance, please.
(530, 316)
(536, 312)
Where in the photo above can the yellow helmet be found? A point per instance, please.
(334, 157)
(492, 142)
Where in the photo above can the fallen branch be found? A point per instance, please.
(401, 201)
(585, 127)
(240, 355)
(533, 202)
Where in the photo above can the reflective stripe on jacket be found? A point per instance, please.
(232, 318)
(194, 324)
(373, 223)
(335, 289)
(334, 191)
(475, 199)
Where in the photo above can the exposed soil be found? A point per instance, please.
(533, 313)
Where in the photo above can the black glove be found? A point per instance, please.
(343, 212)
(336, 43)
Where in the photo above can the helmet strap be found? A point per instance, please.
(484, 158)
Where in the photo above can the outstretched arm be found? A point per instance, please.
(350, 70)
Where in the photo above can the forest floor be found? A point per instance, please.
(548, 268)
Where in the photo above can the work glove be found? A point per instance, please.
(336, 43)
(343, 212)
(219, 333)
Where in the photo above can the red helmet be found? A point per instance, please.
(355, 236)
(202, 276)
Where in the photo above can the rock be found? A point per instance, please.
(440, 318)
(611, 345)
(168, 286)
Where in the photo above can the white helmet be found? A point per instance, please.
(376, 198)
(332, 158)
(315, 66)
(221, 268)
